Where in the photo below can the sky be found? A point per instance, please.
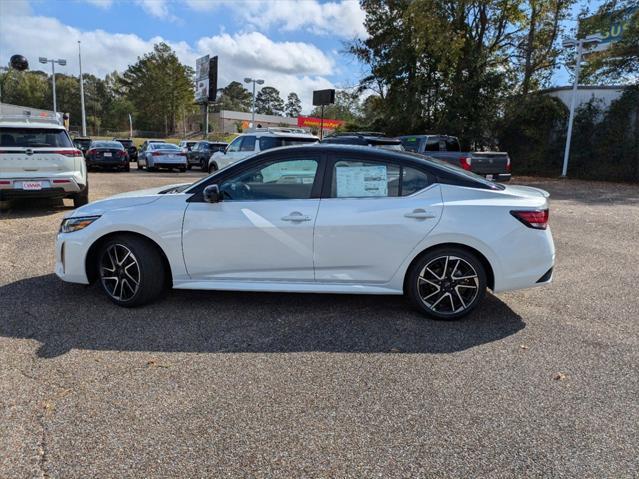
(294, 45)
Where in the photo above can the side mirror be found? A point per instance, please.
(212, 194)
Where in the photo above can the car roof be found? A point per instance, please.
(424, 135)
(31, 124)
(279, 132)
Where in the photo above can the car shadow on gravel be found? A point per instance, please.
(33, 207)
(63, 316)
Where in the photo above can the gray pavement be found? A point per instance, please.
(543, 382)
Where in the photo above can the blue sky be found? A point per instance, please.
(295, 45)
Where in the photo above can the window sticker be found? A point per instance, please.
(361, 181)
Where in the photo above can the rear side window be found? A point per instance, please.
(452, 144)
(432, 143)
(34, 138)
(411, 143)
(248, 143)
(268, 142)
(413, 180)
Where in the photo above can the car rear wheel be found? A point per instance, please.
(131, 271)
(447, 283)
(212, 168)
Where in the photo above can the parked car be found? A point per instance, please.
(187, 145)
(261, 139)
(107, 155)
(364, 138)
(162, 155)
(201, 152)
(494, 165)
(145, 145)
(39, 160)
(130, 147)
(82, 143)
(347, 220)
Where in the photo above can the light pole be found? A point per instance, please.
(253, 81)
(84, 117)
(61, 62)
(571, 43)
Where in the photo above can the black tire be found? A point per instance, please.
(189, 166)
(212, 168)
(436, 292)
(140, 167)
(182, 170)
(81, 198)
(151, 276)
(127, 168)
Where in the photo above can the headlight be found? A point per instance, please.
(69, 225)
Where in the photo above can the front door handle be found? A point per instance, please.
(296, 216)
(419, 214)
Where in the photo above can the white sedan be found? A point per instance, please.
(317, 219)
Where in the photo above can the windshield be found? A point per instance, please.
(163, 146)
(107, 144)
(34, 137)
(268, 142)
(411, 143)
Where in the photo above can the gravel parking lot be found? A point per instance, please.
(543, 382)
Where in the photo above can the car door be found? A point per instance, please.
(371, 217)
(230, 154)
(262, 230)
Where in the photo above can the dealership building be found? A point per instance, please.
(228, 121)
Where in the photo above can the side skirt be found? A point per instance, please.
(284, 287)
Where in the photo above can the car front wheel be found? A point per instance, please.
(447, 283)
(212, 168)
(131, 270)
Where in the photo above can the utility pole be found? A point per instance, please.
(60, 61)
(254, 81)
(84, 118)
(571, 43)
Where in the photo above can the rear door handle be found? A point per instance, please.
(419, 214)
(296, 216)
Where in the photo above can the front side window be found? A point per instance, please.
(35, 138)
(276, 180)
(248, 143)
(235, 144)
(361, 179)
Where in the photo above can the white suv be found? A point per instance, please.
(38, 160)
(258, 140)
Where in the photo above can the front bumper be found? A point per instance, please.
(70, 255)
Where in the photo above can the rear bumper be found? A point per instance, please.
(57, 187)
(163, 164)
(107, 164)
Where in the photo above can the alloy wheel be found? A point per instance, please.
(120, 272)
(448, 285)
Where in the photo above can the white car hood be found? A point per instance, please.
(121, 201)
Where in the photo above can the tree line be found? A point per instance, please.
(157, 90)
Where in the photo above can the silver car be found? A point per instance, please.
(162, 155)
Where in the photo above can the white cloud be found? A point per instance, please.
(156, 8)
(287, 66)
(101, 3)
(344, 18)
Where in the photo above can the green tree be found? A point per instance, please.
(28, 88)
(160, 88)
(234, 97)
(269, 102)
(346, 107)
(293, 107)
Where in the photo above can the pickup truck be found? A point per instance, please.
(494, 165)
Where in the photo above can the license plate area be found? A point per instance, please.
(32, 185)
(490, 177)
(107, 155)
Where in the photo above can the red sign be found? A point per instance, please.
(310, 121)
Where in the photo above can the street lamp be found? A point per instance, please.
(84, 117)
(590, 41)
(60, 62)
(253, 81)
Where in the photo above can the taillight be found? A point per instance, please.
(91, 152)
(508, 167)
(465, 163)
(71, 153)
(156, 153)
(537, 219)
(181, 154)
